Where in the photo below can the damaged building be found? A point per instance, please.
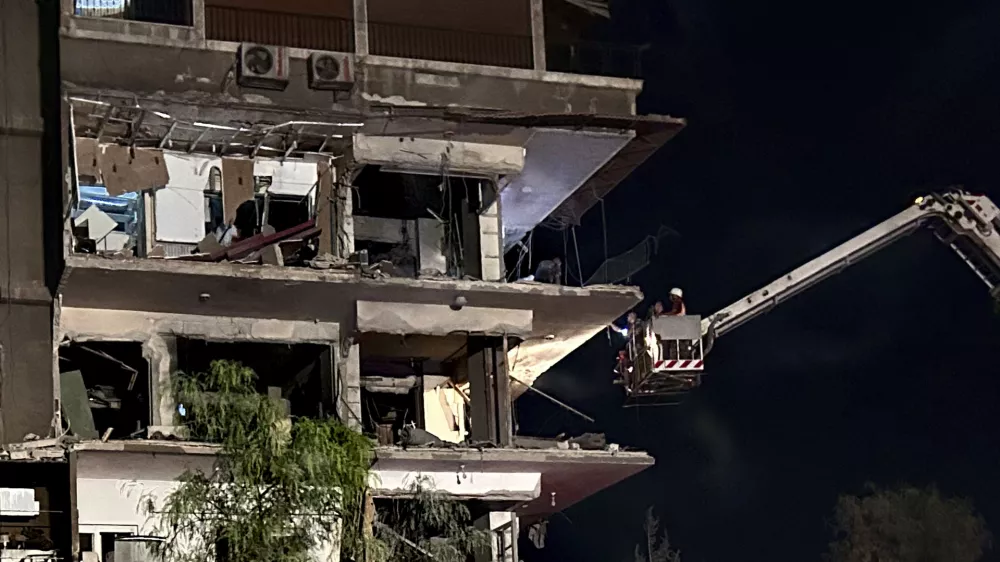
(324, 191)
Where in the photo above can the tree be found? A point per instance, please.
(278, 490)
(428, 525)
(657, 548)
(907, 524)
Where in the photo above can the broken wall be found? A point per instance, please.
(179, 183)
(444, 410)
(158, 332)
(200, 70)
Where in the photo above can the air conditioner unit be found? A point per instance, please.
(330, 71)
(263, 66)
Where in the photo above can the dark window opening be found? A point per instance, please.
(438, 220)
(283, 211)
(116, 381)
(413, 392)
(293, 372)
(86, 542)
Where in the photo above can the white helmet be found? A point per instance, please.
(675, 292)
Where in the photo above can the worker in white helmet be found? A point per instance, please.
(677, 307)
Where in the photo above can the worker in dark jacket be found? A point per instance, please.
(623, 366)
(549, 271)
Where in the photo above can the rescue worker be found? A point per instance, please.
(630, 322)
(243, 226)
(677, 307)
(623, 366)
(657, 310)
(549, 271)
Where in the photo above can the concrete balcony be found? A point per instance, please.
(398, 62)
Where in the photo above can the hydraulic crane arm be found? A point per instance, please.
(967, 223)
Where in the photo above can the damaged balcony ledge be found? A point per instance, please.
(567, 476)
(538, 482)
(563, 318)
(203, 67)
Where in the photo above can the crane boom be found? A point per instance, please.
(967, 223)
(665, 355)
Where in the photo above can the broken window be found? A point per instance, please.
(415, 224)
(105, 389)
(300, 376)
(106, 223)
(408, 390)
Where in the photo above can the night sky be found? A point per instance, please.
(808, 122)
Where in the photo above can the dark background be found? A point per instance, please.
(808, 122)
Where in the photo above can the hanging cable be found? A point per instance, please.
(565, 272)
(576, 248)
(604, 232)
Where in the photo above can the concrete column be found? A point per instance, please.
(30, 195)
(537, 33)
(361, 27)
(161, 353)
(198, 18)
(349, 375)
(490, 243)
(343, 241)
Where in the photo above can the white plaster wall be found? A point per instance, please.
(288, 177)
(180, 206)
(113, 487)
(444, 413)
(465, 483)
(490, 243)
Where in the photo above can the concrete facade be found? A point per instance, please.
(440, 160)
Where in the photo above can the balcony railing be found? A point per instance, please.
(325, 33)
(449, 45)
(321, 33)
(172, 12)
(600, 59)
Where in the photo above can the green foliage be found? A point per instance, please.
(907, 524)
(657, 548)
(430, 523)
(278, 489)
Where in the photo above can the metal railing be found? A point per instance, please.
(449, 45)
(172, 12)
(321, 33)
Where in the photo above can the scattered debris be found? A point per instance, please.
(271, 255)
(326, 261)
(98, 223)
(76, 405)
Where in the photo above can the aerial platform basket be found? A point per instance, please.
(665, 359)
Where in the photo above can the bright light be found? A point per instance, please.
(919, 200)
